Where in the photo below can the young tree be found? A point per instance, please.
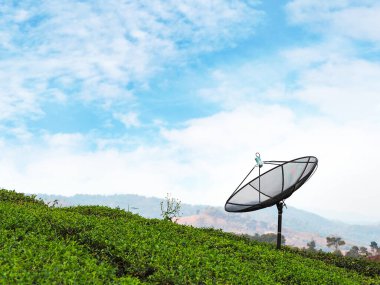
(335, 242)
(170, 208)
(269, 238)
(353, 252)
(53, 204)
(374, 248)
(363, 251)
(311, 245)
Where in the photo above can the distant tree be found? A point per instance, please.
(269, 238)
(337, 252)
(363, 251)
(353, 252)
(374, 247)
(311, 245)
(170, 208)
(256, 236)
(335, 242)
(53, 204)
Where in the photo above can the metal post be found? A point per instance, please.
(279, 205)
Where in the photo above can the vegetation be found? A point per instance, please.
(363, 251)
(311, 246)
(361, 265)
(268, 238)
(335, 242)
(353, 252)
(99, 245)
(170, 208)
(374, 248)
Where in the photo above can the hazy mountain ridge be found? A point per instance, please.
(299, 226)
(148, 207)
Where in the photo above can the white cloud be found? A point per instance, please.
(205, 160)
(18, 131)
(248, 82)
(327, 76)
(129, 119)
(65, 141)
(346, 90)
(354, 19)
(15, 99)
(102, 49)
(233, 130)
(21, 16)
(334, 74)
(66, 171)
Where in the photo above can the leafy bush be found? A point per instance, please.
(13, 196)
(170, 208)
(29, 258)
(363, 266)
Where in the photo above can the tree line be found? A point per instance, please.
(334, 242)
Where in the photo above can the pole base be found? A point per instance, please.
(280, 206)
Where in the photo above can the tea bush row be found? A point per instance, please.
(119, 247)
(360, 265)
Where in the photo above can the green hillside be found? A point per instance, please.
(100, 245)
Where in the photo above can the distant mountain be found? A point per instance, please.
(148, 207)
(299, 226)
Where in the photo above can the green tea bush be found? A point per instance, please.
(13, 196)
(100, 245)
(29, 258)
(360, 265)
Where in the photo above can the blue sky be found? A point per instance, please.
(151, 97)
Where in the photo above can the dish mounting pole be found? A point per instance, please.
(280, 206)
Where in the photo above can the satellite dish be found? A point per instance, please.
(271, 187)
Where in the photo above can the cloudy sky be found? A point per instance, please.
(155, 97)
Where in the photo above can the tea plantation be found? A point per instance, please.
(100, 245)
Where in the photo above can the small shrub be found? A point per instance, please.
(170, 208)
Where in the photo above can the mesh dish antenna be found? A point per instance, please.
(271, 187)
